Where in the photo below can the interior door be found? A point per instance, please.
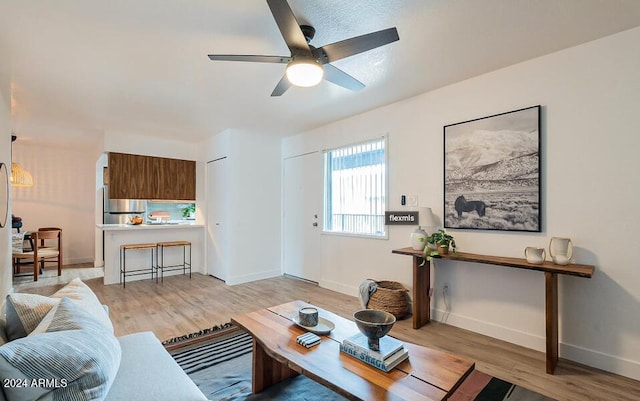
(217, 210)
(302, 217)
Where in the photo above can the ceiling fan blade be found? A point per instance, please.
(349, 47)
(282, 86)
(289, 27)
(339, 77)
(247, 57)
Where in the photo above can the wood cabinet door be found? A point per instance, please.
(176, 179)
(147, 177)
(128, 176)
(185, 184)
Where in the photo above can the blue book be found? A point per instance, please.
(388, 346)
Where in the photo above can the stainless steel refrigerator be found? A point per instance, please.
(120, 211)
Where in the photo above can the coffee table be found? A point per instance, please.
(428, 374)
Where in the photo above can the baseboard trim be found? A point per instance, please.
(600, 360)
(503, 333)
(253, 277)
(610, 363)
(76, 261)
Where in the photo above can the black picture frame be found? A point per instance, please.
(492, 171)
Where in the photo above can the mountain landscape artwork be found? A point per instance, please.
(492, 172)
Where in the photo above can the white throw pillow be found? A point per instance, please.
(26, 311)
(81, 294)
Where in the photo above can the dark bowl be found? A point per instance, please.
(374, 324)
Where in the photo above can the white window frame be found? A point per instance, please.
(327, 216)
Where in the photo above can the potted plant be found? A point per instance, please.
(189, 211)
(442, 241)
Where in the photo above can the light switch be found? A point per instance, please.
(412, 200)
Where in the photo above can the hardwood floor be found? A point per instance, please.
(180, 306)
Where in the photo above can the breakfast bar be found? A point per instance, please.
(116, 235)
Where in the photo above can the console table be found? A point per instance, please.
(422, 283)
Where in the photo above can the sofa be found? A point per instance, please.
(62, 347)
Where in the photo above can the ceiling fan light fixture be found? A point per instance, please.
(304, 73)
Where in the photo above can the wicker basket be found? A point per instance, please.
(391, 297)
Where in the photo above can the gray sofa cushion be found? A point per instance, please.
(148, 372)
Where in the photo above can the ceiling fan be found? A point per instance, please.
(308, 65)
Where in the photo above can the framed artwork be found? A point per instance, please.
(492, 172)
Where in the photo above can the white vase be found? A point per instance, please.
(535, 255)
(418, 239)
(560, 250)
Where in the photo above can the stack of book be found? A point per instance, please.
(391, 352)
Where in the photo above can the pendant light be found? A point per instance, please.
(19, 176)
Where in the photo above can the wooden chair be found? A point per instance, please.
(40, 252)
(49, 245)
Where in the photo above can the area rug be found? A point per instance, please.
(218, 360)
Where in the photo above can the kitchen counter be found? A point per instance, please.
(147, 226)
(116, 235)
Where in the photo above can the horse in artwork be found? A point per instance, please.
(463, 205)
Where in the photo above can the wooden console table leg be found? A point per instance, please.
(421, 285)
(266, 370)
(551, 308)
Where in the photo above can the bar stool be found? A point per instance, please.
(184, 265)
(139, 270)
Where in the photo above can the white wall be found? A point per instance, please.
(6, 277)
(590, 96)
(127, 142)
(254, 196)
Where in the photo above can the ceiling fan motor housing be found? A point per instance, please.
(308, 31)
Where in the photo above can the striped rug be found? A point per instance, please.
(213, 351)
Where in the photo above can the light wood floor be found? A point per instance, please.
(181, 306)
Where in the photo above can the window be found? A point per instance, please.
(355, 189)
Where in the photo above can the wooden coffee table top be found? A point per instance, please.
(428, 374)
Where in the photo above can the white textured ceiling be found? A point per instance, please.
(79, 68)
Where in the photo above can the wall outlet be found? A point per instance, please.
(412, 200)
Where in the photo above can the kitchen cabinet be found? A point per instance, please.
(148, 177)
